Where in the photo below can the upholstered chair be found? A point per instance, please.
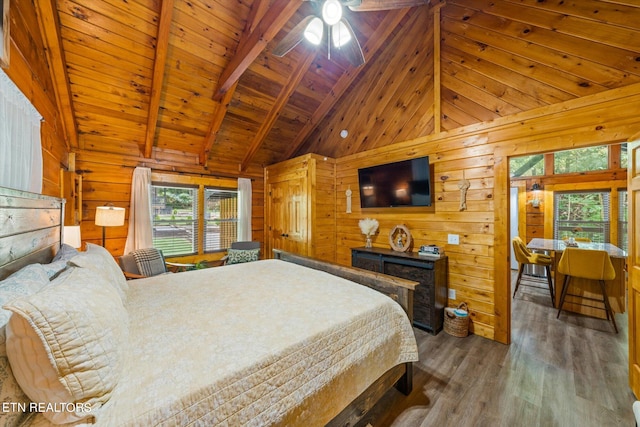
(525, 257)
(587, 264)
(143, 263)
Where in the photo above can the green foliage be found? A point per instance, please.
(527, 165)
(581, 160)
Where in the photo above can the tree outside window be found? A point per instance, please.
(581, 160)
(582, 214)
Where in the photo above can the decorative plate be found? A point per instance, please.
(400, 238)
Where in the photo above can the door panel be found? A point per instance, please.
(278, 215)
(296, 236)
(288, 216)
(633, 265)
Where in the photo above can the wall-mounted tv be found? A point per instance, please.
(404, 183)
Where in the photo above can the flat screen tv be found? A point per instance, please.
(404, 183)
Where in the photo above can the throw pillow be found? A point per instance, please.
(236, 256)
(66, 345)
(100, 260)
(24, 282)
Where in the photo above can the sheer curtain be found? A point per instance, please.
(140, 235)
(244, 209)
(20, 147)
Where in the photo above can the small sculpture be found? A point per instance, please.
(463, 186)
(348, 194)
(368, 226)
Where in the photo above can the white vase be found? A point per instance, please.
(367, 243)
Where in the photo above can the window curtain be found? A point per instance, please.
(244, 209)
(140, 235)
(20, 147)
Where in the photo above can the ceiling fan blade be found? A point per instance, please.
(352, 50)
(291, 40)
(366, 5)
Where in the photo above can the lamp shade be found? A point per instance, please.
(340, 34)
(109, 216)
(314, 31)
(331, 12)
(71, 236)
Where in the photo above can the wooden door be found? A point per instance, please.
(277, 202)
(633, 263)
(297, 216)
(288, 216)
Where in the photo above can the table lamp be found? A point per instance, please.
(109, 216)
(71, 236)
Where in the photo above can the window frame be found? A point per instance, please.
(200, 183)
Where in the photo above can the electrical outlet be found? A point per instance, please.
(454, 239)
(452, 294)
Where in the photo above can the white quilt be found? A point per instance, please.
(245, 344)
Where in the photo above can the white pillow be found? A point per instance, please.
(66, 345)
(24, 282)
(100, 260)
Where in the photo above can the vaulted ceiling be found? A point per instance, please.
(194, 82)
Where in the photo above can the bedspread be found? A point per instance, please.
(245, 344)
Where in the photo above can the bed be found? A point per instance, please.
(285, 341)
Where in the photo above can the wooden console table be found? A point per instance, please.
(430, 297)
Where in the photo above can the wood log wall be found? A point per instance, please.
(107, 178)
(28, 70)
(479, 267)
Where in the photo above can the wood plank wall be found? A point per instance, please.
(28, 70)
(107, 178)
(323, 222)
(479, 266)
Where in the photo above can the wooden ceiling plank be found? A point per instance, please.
(280, 103)
(274, 19)
(47, 14)
(375, 42)
(164, 27)
(219, 113)
(256, 15)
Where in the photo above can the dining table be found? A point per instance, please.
(584, 289)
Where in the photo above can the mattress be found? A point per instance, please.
(252, 344)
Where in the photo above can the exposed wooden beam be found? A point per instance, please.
(282, 99)
(276, 17)
(375, 42)
(258, 10)
(47, 14)
(159, 63)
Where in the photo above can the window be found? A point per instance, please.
(177, 218)
(581, 160)
(527, 165)
(582, 214)
(221, 219)
(623, 236)
(174, 219)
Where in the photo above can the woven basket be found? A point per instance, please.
(455, 325)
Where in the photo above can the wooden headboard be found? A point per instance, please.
(30, 229)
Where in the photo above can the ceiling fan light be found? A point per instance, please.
(340, 34)
(331, 12)
(314, 31)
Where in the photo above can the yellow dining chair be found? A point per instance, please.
(587, 264)
(525, 257)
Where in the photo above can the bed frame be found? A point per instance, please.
(31, 231)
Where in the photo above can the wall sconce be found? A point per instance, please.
(71, 236)
(535, 202)
(109, 216)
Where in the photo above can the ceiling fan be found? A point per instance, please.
(340, 35)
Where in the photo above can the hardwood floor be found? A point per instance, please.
(571, 371)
